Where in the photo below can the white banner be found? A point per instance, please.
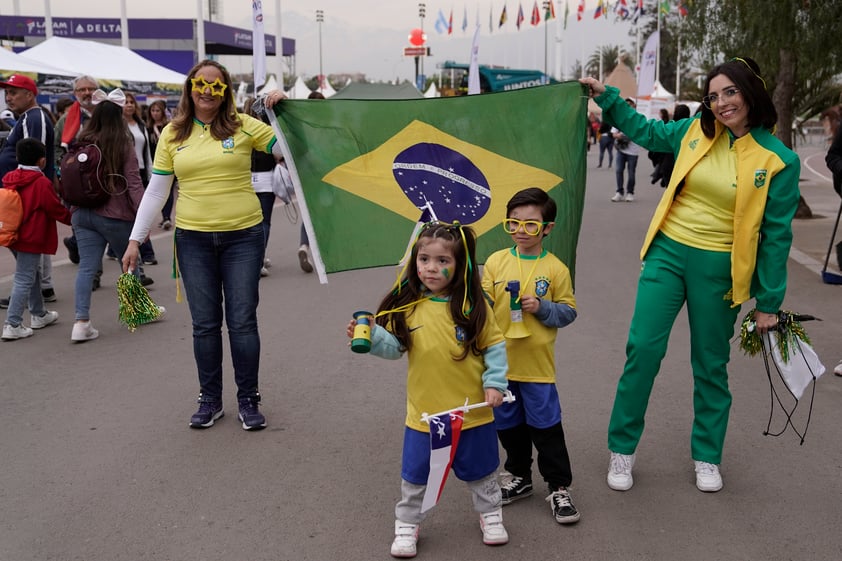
(648, 63)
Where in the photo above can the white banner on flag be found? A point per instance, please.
(258, 44)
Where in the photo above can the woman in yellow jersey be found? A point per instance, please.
(720, 235)
(218, 232)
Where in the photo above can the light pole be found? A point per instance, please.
(422, 11)
(546, 5)
(320, 18)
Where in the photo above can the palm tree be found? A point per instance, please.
(610, 55)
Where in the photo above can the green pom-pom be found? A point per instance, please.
(136, 306)
(787, 332)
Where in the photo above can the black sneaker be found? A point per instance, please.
(4, 303)
(562, 506)
(250, 415)
(206, 416)
(146, 281)
(72, 249)
(516, 488)
(48, 294)
(150, 261)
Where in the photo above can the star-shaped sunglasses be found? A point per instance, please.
(217, 87)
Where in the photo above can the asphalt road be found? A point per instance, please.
(98, 463)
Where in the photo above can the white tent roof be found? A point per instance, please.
(102, 61)
(271, 84)
(660, 91)
(432, 91)
(299, 90)
(12, 62)
(327, 89)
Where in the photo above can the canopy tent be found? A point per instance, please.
(432, 91)
(116, 65)
(13, 63)
(271, 84)
(327, 90)
(299, 90)
(651, 105)
(360, 90)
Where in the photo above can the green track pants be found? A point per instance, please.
(672, 274)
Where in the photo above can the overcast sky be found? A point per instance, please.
(368, 36)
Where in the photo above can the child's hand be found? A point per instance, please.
(493, 397)
(350, 329)
(530, 304)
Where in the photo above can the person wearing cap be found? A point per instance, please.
(8, 117)
(33, 122)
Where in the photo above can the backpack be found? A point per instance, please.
(11, 216)
(82, 178)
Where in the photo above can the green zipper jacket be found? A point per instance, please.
(767, 194)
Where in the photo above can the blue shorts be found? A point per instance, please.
(537, 405)
(477, 455)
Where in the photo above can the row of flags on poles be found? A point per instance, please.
(623, 10)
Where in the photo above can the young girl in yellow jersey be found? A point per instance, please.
(437, 315)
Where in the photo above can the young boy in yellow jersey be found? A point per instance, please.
(547, 303)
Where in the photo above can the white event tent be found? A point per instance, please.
(102, 61)
(299, 90)
(10, 63)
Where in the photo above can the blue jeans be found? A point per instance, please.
(93, 233)
(222, 269)
(26, 288)
(620, 161)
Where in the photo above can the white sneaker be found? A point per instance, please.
(264, 272)
(10, 333)
(620, 471)
(493, 531)
(44, 321)
(629, 197)
(83, 331)
(838, 369)
(304, 259)
(617, 198)
(406, 538)
(267, 263)
(707, 477)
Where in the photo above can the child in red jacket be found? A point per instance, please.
(37, 235)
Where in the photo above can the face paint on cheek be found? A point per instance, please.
(445, 273)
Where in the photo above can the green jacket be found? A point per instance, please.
(767, 194)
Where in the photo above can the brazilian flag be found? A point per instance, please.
(371, 170)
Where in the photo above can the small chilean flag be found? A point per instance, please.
(444, 438)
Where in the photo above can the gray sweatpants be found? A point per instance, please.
(485, 494)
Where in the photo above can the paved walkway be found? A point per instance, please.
(99, 465)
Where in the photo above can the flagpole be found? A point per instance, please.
(48, 20)
(200, 30)
(678, 68)
(279, 46)
(124, 25)
(658, 50)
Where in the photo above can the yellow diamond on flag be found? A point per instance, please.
(422, 173)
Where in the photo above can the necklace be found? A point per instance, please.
(520, 271)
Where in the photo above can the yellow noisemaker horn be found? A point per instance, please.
(517, 329)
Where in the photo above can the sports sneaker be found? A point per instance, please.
(10, 332)
(48, 294)
(708, 479)
(4, 303)
(620, 472)
(617, 197)
(629, 197)
(406, 538)
(837, 370)
(47, 319)
(493, 531)
(83, 331)
(250, 415)
(150, 261)
(146, 281)
(267, 263)
(166, 224)
(304, 259)
(514, 489)
(264, 272)
(562, 506)
(207, 414)
(72, 249)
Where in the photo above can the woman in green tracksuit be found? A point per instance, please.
(720, 235)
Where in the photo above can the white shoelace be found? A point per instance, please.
(621, 463)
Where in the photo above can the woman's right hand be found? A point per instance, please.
(350, 329)
(130, 257)
(595, 87)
